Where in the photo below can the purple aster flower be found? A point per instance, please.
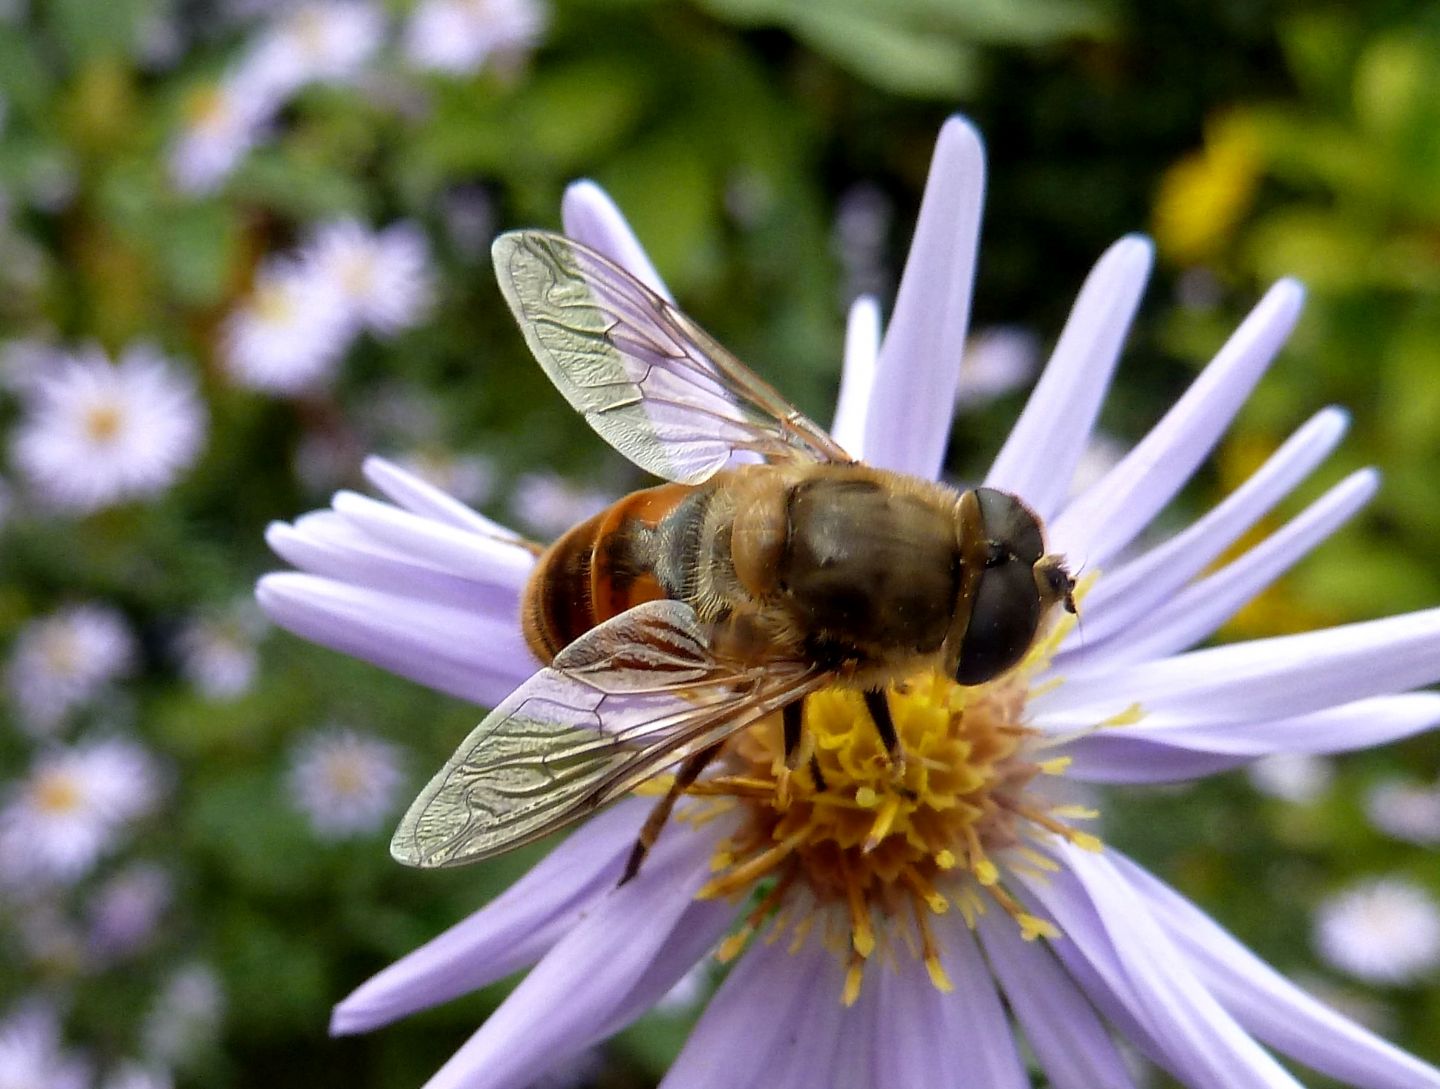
(882, 936)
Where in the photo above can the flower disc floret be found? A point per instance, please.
(890, 839)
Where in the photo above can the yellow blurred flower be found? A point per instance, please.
(1203, 196)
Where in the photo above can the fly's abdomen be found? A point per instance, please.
(597, 570)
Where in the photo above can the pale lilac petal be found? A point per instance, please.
(1091, 982)
(696, 935)
(927, 1036)
(1038, 460)
(917, 1055)
(919, 366)
(470, 555)
(1259, 679)
(1270, 1006)
(862, 1058)
(972, 1019)
(512, 931)
(1066, 1033)
(423, 498)
(1141, 966)
(804, 1057)
(1130, 592)
(857, 380)
(572, 994)
(1119, 758)
(1151, 753)
(591, 218)
(448, 649)
(325, 544)
(1109, 515)
(748, 1018)
(1197, 611)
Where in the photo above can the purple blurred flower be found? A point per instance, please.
(429, 589)
(31, 1052)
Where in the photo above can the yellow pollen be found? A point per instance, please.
(853, 975)
(1128, 717)
(876, 848)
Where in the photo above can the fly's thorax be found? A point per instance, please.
(870, 567)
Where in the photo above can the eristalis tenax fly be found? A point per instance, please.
(687, 612)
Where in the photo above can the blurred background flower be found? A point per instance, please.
(245, 243)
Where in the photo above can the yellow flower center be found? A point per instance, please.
(346, 774)
(207, 108)
(882, 843)
(102, 423)
(56, 792)
(60, 651)
(274, 304)
(357, 275)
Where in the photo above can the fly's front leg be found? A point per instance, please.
(878, 704)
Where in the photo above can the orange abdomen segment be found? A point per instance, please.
(597, 570)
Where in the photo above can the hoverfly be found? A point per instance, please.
(686, 612)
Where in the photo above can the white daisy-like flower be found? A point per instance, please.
(921, 916)
(64, 660)
(863, 218)
(31, 1053)
(184, 1017)
(460, 36)
(1406, 810)
(26, 359)
(218, 654)
(344, 782)
(549, 504)
(96, 433)
(134, 1075)
(322, 41)
(1298, 777)
(1383, 930)
(67, 811)
(997, 361)
(220, 123)
(469, 218)
(125, 912)
(383, 277)
(290, 333)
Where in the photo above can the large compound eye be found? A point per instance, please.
(1004, 616)
(1006, 608)
(1009, 524)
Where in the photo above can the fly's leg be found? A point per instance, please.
(792, 736)
(878, 705)
(685, 774)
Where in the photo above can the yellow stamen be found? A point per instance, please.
(853, 976)
(889, 810)
(890, 842)
(931, 954)
(751, 870)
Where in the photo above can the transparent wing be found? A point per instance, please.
(654, 384)
(617, 706)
